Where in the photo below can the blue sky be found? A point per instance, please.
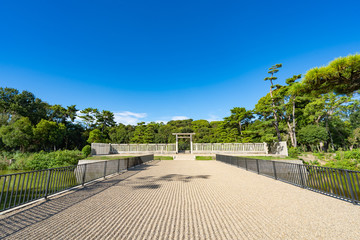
(163, 60)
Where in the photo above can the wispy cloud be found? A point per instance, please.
(213, 118)
(179, 118)
(129, 117)
(125, 117)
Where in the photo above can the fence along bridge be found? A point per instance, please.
(195, 148)
(186, 200)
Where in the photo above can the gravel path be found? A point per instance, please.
(186, 200)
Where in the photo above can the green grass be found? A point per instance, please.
(205, 158)
(163, 158)
(270, 158)
(107, 157)
(9, 171)
(25, 187)
(334, 182)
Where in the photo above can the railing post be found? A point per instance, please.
(84, 174)
(275, 175)
(118, 170)
(257, 166)
(105, 169)
(350, 187)
(48, 183)
(301, 176)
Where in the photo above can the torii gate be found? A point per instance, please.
(184, 135)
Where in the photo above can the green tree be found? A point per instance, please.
(18, 134)
(88, 116)
(48, 133)
(354, 139)
(138, 136)
(71, 112)
(324, 108)
(27, 105)
(238, 118)
(312, 135)
(290, 95)
(342, 75)
(120, 133)
(274, 69)
(96, 136)
(57, 113)
(105, 119)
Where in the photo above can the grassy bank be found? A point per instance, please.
(205, 158)
(271, 158)
(163, 158)
(40, 160)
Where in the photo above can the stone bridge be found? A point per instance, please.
(185, 200)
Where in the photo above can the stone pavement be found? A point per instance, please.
(186, 200)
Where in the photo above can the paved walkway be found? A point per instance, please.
(186, 200)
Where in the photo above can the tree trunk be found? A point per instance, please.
(276, 123)
(294, 123)
(328, 130)
(291, 133)
(240, 128)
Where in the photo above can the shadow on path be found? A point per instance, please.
(155, 182)
(40, 212)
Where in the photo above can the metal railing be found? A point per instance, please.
(339, 183)
(21, 188)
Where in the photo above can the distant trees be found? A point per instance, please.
(17, 134)
(49, 134)
(318, 111)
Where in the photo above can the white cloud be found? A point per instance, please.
(179, 118)
(213, 118)
(129, 117)
(125, 117)
(161, 121)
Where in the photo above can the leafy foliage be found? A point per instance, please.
(86, 150)
(43, 160)
(341, 75)
(346, 160)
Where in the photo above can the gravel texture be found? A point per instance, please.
(186, 200)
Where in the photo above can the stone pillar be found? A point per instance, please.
(177, 144)
(191, 145)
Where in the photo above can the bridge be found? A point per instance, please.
(185, 200)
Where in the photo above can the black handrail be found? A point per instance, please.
(340, 183)
(20, 188)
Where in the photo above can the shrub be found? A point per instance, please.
(63, 158)
(346, 160)
(3, 164)
(294, 152)
(86, 150)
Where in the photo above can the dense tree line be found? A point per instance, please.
(318, 111)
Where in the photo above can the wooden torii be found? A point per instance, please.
(184, 135)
